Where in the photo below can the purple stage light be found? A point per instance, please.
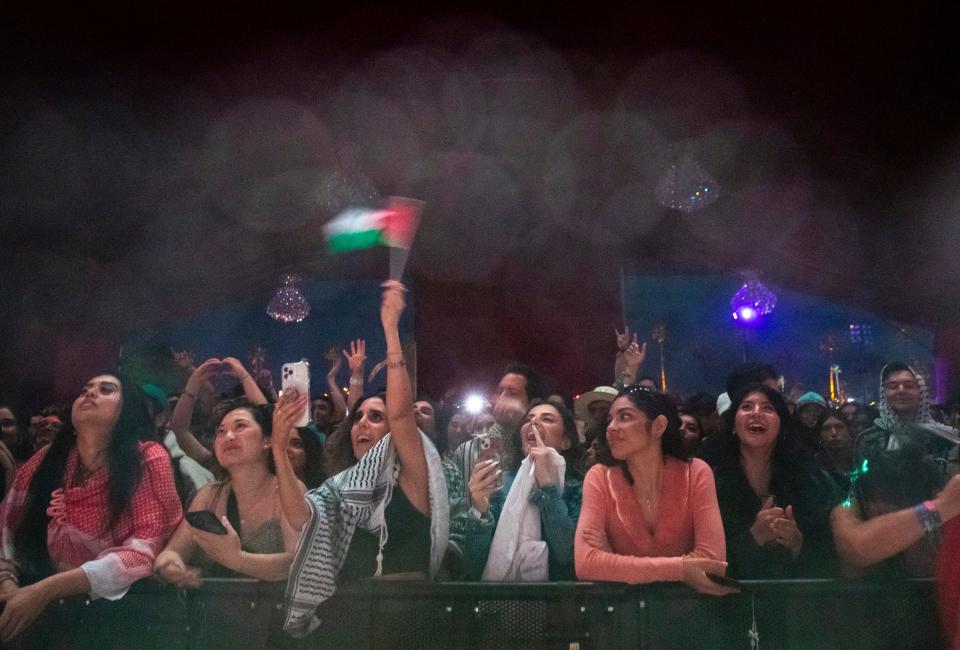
(752, 300)
(745, 314)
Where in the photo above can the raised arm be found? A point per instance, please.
(630, 357)
(251, 390)
(399, 402)
(333, 356)
(183, 413)
(356, 361)
(294, 506)
(863, 543)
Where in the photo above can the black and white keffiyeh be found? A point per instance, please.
(899, 427)
(357, 496)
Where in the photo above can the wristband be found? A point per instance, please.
(396, 364)
(356, 381)
(929, 519)
(192, 396)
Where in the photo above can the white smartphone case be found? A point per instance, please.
(297, 376)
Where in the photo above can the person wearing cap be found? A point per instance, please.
(810, 410)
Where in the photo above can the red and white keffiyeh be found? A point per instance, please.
(113, 558)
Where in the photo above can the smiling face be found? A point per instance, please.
(902, 392)
(756, 422)
(546, 419)
(369, 427)
(630, 431)
(240, 440)
(98, 403)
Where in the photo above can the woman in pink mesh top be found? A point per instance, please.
(649, 514)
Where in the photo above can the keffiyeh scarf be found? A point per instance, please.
(898, 427)
(357, 496)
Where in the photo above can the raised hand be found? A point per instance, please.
(357, 356)
(540, 457)
(202, 375)
(183, 359)
(233, 366)
(635, 355)
(623, 338)
(336, 361)
(288, 410)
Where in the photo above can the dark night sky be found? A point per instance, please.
(833, 132)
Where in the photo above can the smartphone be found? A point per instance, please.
(725, 581)
(490, 446)
(206, 521)
(296, 377)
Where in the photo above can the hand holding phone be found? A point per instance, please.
(725, 581)
(206, 521)
(295, 377)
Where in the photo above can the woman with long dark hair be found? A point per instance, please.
(649, 513)
(774, 498)
(551, 484)
(387, 513)
(89, 512)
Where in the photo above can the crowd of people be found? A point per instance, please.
(625, 483)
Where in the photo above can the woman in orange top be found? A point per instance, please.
(649, 514)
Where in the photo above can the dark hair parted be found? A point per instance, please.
(124, 469)
(262, 414)
(338, 452)
(747, 374)
(786, 439)
(572, 454)
(653, 405)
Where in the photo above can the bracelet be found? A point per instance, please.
(395, 353)
(245, 376)
(929, 520)
(192, 396)
(356, 381)
(396, 364)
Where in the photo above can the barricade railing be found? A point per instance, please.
(239, 613)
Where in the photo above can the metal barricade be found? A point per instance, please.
(240, 613)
